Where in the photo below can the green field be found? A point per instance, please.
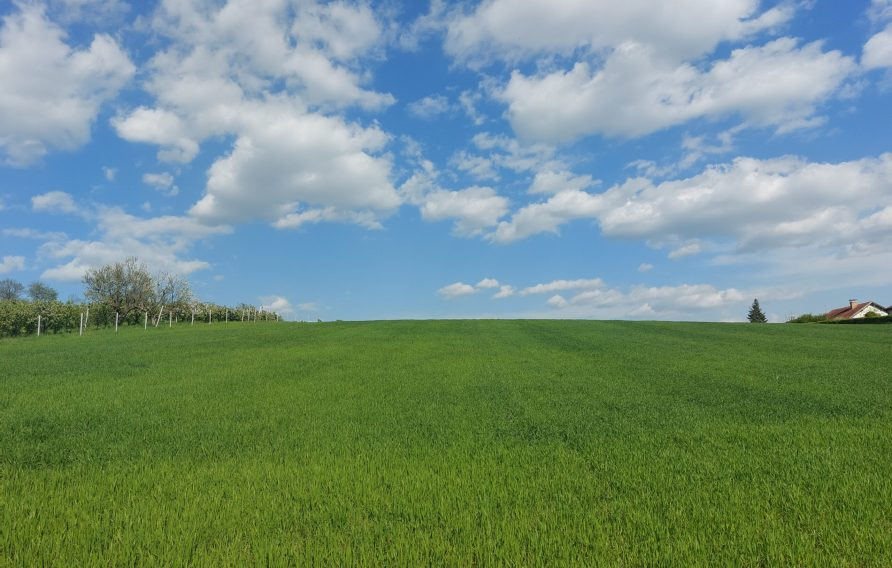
(449, 442)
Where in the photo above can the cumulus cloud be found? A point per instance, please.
(878, 50)
(456, 290)
(51, 92)
(593, 297)
(686, 249)
(488, 283)
(160, 242)
(474, 209)
(505, 291)
(758, 204)
(54, 202)
(549, 181)
(512, 29)
(273, 78)
(560, 285)
(635, 93)
(162, 182)
(278, 304)
(284, 159)
(11, 263)
(430, 107)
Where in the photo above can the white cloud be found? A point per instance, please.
(160, 242)
(560, 285)
(268, 76)
(488, 283)
(163, 182)
(594, 298)
(547, 216)
(468, 101)
(456, 290)
(277, 304)
(474, 209)
(686, 249)
(51, 93)
(505, 291)
(515, 29)
(430, 107)
(664, 302)
(880, 10)
(645, 267)
(551, 182)
(11, 264)
(284, 160)
(479, 167)
(54, 202)
(636, 93)
(878, 50)
(109, 173)
(758, 204)
(156, 126)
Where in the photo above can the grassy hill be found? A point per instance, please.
(448, 442)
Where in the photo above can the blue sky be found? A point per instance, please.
(504, 158)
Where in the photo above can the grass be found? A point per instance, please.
(449, 442)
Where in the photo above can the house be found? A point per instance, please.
(856, 310)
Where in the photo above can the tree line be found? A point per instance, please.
(122, 293)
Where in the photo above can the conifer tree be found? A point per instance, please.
(756, 315)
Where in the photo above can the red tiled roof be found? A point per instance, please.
(848, 311)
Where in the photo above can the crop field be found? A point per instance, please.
(448, 442)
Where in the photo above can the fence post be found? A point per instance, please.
(161, 311)
(145, 322)
(193, 318)
(87, 318)
(169, 319)
(116, 322)
(81, 327)
(38, 325)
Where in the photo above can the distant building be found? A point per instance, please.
(856, 310)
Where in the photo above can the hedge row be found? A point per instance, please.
(19, 317)
(862, 321)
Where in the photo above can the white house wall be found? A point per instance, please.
(869, 309)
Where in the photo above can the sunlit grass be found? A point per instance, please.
(449, 442)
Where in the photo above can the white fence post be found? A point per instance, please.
(169, 319)
(193, 317)
(116, 322)
(87, 318)
(145, 322)
(81, 328)
(38, 325)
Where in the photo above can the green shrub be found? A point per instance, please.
(808, 318)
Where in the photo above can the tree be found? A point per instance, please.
(172, 291)
(39, 292)
(125, 287)
(756, 315)
(10, 289)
